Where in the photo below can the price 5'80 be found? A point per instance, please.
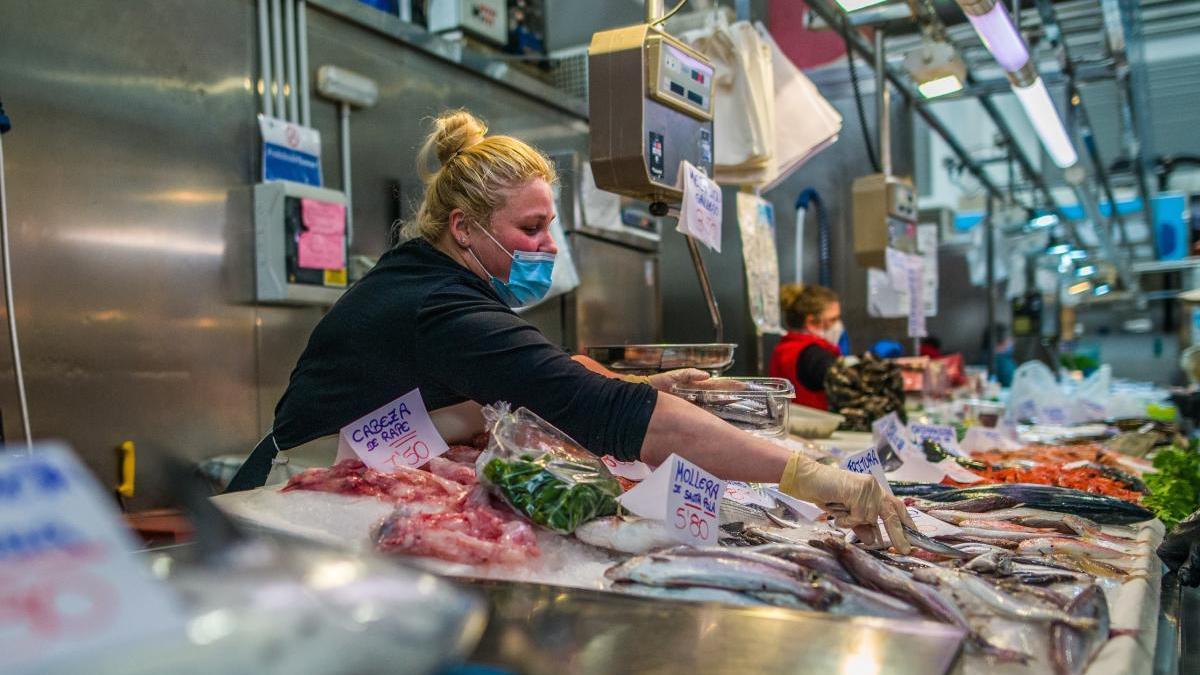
(694, 524)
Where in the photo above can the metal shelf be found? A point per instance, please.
(1153, 266)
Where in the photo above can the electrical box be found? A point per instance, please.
(300, 244)
(651, 108)
(885, 215)
(486, 20)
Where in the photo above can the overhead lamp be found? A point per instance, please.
(855, 5)
(1058, 249)
(1102, 289)
(1048, 220)
(937, 68)
(1081, 287)
(1085, 271)
(995, 28)
(1077, 254)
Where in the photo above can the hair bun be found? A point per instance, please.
(455, 131)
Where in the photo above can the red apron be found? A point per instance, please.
(783, 364)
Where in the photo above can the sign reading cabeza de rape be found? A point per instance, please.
(397, 434)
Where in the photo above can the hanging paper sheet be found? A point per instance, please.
(756, 221)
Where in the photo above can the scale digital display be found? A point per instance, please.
(682, 80)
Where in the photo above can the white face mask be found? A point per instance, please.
(834, 333)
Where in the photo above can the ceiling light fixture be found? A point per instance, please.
(995, 28)
(855, 5)
(936, 68)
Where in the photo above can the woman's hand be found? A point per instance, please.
(664, 381)
(855, 500)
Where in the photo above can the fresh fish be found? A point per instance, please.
(1084, 527)
(1046, 595)
(990, 535)
(955, 516)
(1077, 547)
(977, 505)
(747, 554)
(1071, 647)
(806, 556)
(779, 522)
(625, 534)
(902, 488)
(993, 562)
(1102, 509)
(908, 564)
(725, 573)
(1005, 526)
(975, 548)
(932, 545)
(877, 576)
(1046, 578)
(975, 538)
(998, 601)
(859, 601)
(1092, 566)
(692, 594)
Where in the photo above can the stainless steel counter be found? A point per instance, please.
(539, 629)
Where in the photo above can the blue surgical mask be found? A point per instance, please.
(528, 277)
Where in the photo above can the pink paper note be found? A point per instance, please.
(320, 251)
(323, 217)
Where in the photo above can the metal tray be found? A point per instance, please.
(642, 359)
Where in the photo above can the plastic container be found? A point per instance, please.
(759, 405)
(813, 423)
(650, 359)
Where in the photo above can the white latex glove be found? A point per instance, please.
(855, 500)
(664, 381)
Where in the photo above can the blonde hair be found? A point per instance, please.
(800, 301)
(475, 173)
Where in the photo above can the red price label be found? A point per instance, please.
(416, 453)
(692, 522)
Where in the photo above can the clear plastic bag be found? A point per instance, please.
(543, 474)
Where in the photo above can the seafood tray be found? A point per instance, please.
(759, 405)
(648, 359)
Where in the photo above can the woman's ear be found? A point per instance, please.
(460, 228)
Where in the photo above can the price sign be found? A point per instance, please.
(889, 428)
(683, 496)
(69, 584)
(747, 495)
(398, 434)
(941, 434)
(866, 462)
(636, 471)
(700, 213)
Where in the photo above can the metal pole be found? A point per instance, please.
(344, 118)
(883, 105)
(990, 234)
(706, 287)
(264, 57)
(654, 10)
(289, 33)
(302, 47)
(277, 53)
(10, 305)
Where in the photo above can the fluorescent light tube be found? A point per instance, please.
(1046, 122)
(853, 5)
(940, 87)
(1000, 36)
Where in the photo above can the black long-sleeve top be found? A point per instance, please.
(420, 320)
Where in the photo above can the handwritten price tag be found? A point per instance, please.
(398, 434)
(683, 496)
(889, 428)
(700, 213)
(69, 584)
(941, 434)
(747, 495)
(867, 462)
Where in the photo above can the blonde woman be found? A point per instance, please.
(813, 317)
(435, 314)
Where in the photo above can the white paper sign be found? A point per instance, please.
(700, 213)
(889, 428)
(927, 245)
(638, 471)
(683, 496)
(866, 462)
(806, 510)
(941, 434)
(747, 495)
(395, 435)
(756, 221)
(915, 276)
(981, 439)
(68, 582)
